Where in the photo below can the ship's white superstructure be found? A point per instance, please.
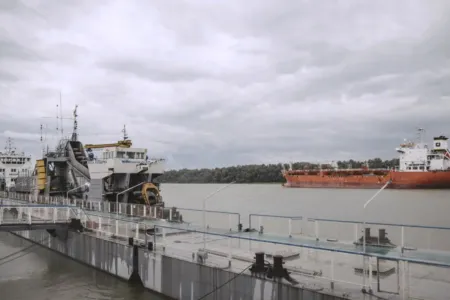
(14, 164)
(416, 157)
(120, 158)
(117, 160)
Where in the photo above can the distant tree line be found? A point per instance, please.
(270, 173)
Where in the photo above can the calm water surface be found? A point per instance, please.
(45, 275)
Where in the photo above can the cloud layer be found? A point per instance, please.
(231, 82)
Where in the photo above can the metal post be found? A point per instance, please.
(290, 227)
(332, 270)
(124, 191)
(316, 229)
(137, 231)
(29, 215)
(204, 210)
(403, 238)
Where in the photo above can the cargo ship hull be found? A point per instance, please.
(399, 180)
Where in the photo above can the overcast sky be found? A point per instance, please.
(215, 83)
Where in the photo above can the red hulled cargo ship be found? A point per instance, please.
(419, 168)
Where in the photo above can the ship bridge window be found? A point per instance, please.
(13, 170)
(131, 155)
(120, 154)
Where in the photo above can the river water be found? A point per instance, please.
(42, 274)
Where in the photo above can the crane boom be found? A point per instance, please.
(121, 144)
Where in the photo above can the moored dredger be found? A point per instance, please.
(420, 168)
(100, 172)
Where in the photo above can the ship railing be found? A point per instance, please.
(405, 237)
(16, 212)
(214, 218)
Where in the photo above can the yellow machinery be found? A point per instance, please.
(149, 193)
(121, 144)
(41, 174)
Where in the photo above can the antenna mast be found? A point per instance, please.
(125, 135)
(60, 113)
(9, 147)
(75, 124)
(42, 140)
(420, 133)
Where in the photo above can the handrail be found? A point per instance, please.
(299, 218)
(271, 216)
(314, 247)
(214, 211)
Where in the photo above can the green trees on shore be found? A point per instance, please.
(270, 173)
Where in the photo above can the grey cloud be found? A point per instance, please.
(154, 70)
(6, 76)
(212, 84)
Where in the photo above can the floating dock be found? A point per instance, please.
(272, 257)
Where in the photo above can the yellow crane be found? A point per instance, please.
(121, 144)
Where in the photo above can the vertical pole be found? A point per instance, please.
(170, 214)
(370, 274)
(290, 227)
(117, 227)
(403, 238)
(100, 224)
(54, 214)
(137, 231)
(332, 270)
(316, 229)
(29, 215)
(229, 252)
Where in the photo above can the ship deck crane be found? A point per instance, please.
(121, 144)
(125, 143)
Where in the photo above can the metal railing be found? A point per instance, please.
(30, 214)
(214, 218)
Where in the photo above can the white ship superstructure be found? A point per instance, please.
(416, 157)
(14, 164)
(118, 166)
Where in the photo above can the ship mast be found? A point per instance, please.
(420, 134)
(125, 135)
(9, 146)
(75, 124)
